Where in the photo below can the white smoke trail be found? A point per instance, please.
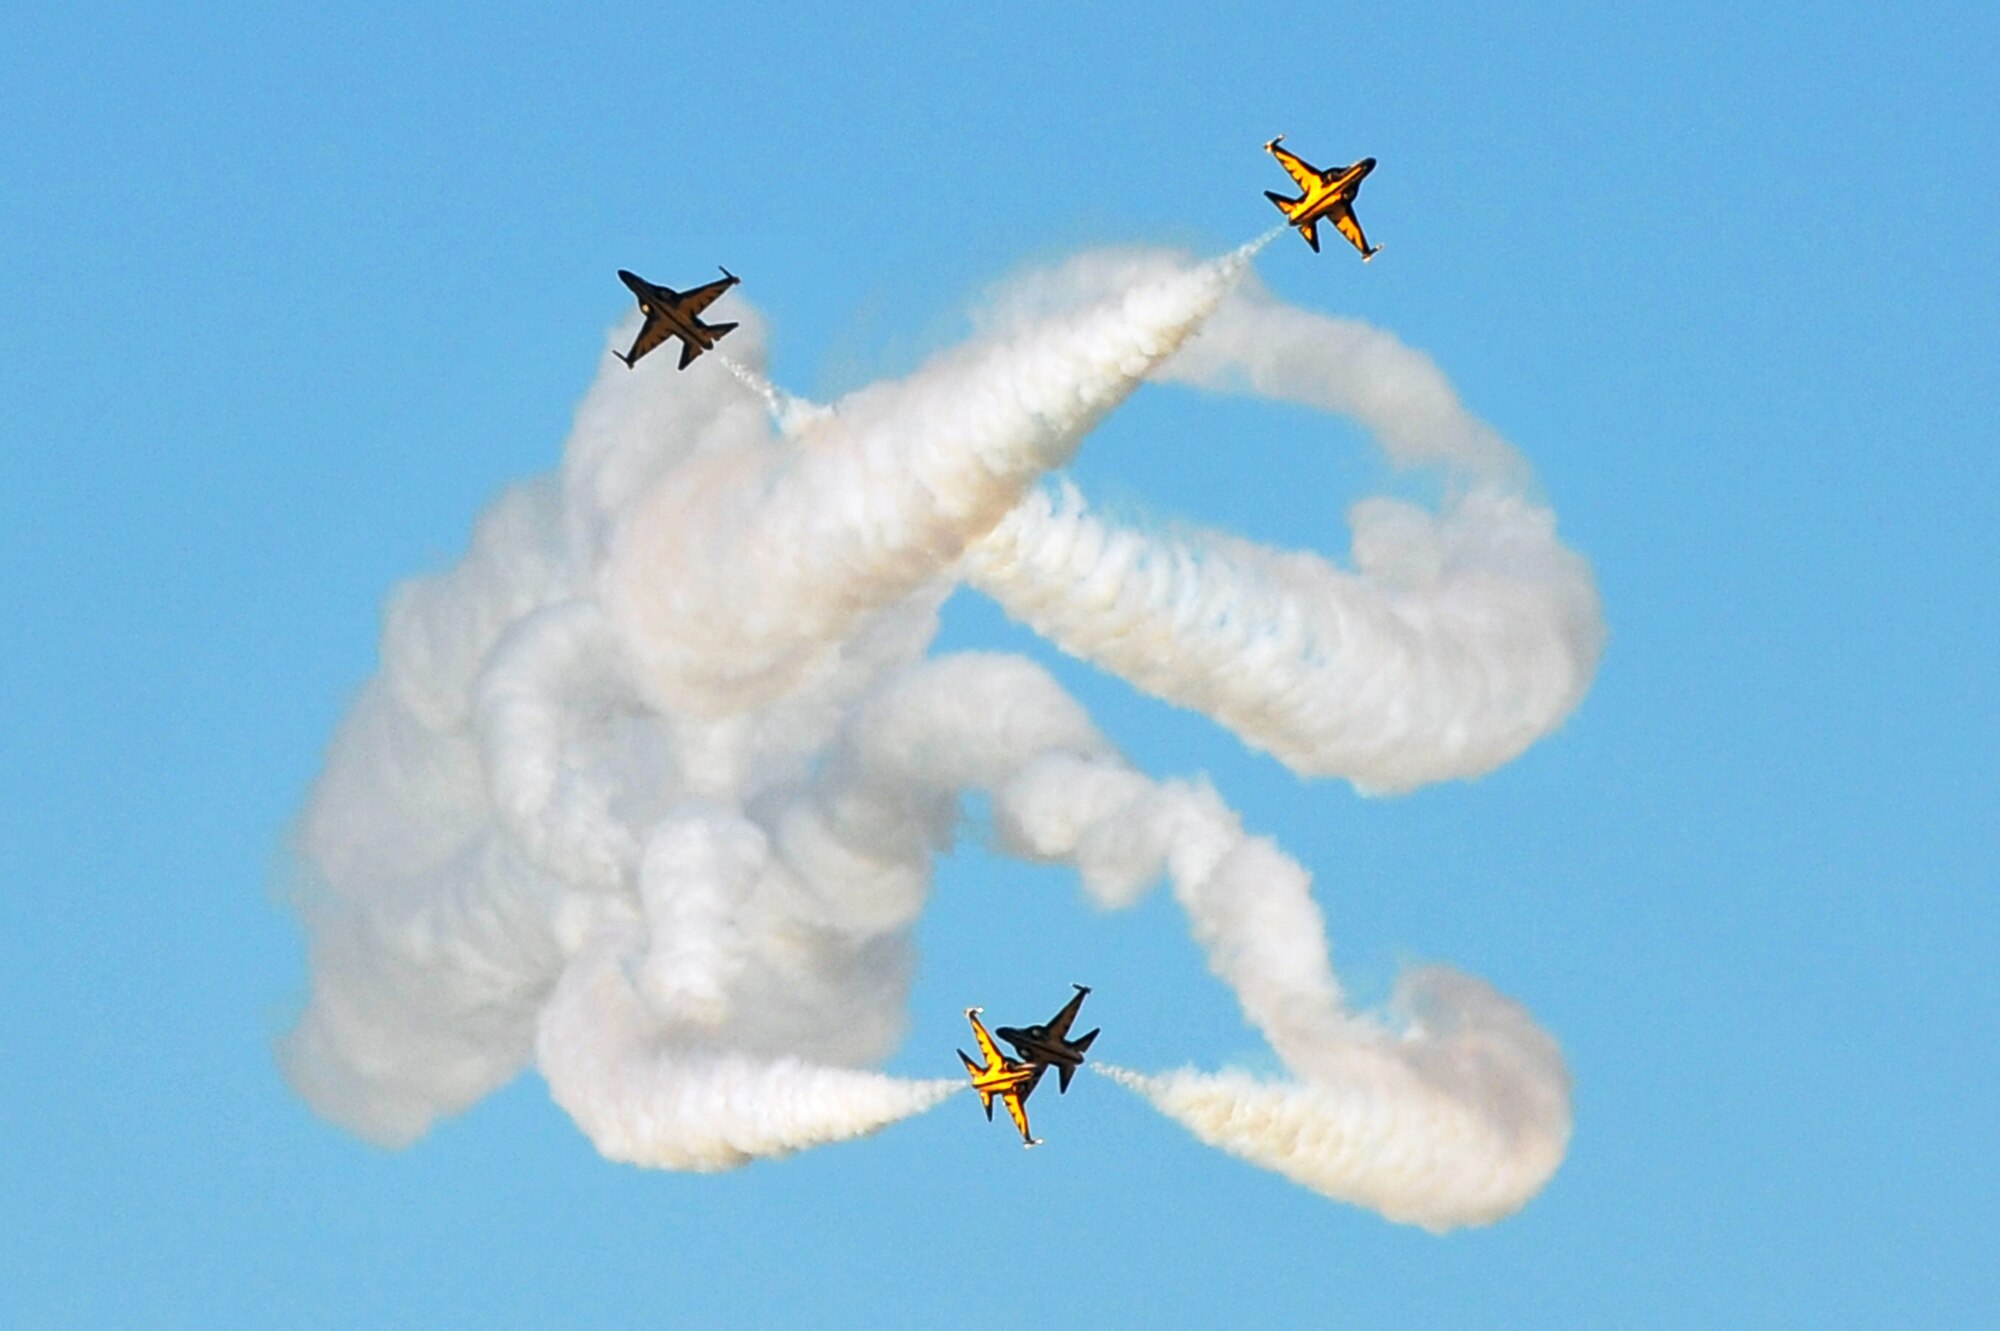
(791, 414)
(649, 788)
(645, 1102)
(1457, 639)
(491, 806)
(1456, 1115)
(732, 586)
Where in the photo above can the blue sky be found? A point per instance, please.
(289, 296)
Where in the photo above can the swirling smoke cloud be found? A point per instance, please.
(649, 787)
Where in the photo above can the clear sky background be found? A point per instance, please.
(289, 295)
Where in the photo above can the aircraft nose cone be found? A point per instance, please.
(1367, 164)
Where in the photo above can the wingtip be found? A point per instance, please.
(1274, 143)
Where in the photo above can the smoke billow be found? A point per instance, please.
(649, 788)
(1457, 638)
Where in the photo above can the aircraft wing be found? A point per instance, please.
(651, 334)
(1020, 1115)
(1059, 1024)
(699, 299)
(1344, 222)
(1028, 1087)
(987, 1049)
(1303, 173)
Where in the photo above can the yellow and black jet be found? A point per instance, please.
(1049, 1046)
(1001, 1076)
(1328, 194)
(671, 313)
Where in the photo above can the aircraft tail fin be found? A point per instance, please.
(1068, 1070)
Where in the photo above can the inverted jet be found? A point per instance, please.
(671, 313)
(1000, 1077)
(1328, 194)
(1049, 1046)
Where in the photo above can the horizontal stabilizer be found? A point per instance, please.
(1284, 204)
(1084, 1043)
(717, 330)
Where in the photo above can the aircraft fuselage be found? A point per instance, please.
(1033, 1046)
(663, 303)
(1334, 189)
(1011, 1077)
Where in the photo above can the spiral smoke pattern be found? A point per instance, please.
(649, 787)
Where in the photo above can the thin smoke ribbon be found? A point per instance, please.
(649, 788)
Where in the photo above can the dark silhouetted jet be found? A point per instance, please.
(1050, 1046)
(670, 313)
(1328, 194)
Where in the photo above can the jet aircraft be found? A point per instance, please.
(1001, 1076)
(671, 313)
(1328, 194)
(1050, 1046)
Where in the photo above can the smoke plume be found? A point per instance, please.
(648, 789)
